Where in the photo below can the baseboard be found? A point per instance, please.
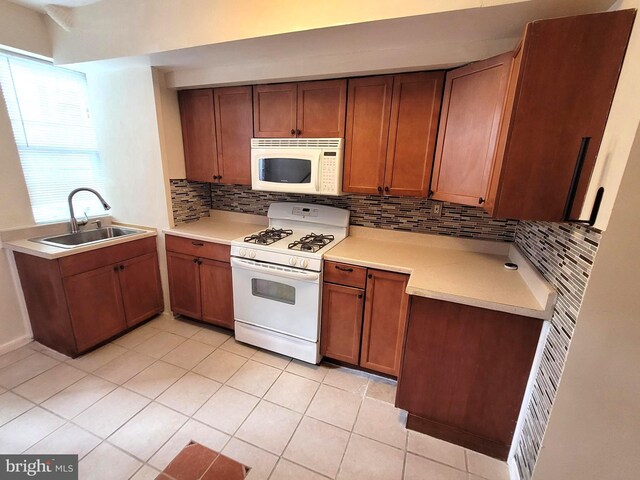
(14, 344)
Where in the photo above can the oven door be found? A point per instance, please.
(278, 298)
(293, 171)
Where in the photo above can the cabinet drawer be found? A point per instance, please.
(345, 274)
(198, 248)
(83, 262)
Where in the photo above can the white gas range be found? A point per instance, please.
(277, 278)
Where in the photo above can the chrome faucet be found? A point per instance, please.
(74, 222)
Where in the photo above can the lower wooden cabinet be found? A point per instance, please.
(464, 373)
(364, 317)
(79, 301)
(342, 309)
(200, 283)
(385, 318)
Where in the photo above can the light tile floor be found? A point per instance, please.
(129, 407)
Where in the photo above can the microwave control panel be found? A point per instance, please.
(331, 173)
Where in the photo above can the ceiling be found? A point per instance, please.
(39, 4)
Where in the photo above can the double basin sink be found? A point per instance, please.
(88, 237)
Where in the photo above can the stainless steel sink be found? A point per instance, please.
(70, 240)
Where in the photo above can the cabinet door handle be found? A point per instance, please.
(199, 262)
(370, 276)
(121, 267)
(197, 244)
(379, 189)
(480, 201)
(298, 132)
(195, 260)
(359, 295)
(219, 177)
(386, 189)
(573, 186)
(293, 131)
(343, 269)
(216, 177)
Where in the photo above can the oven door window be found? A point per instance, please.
(284, 170)
(271, 290)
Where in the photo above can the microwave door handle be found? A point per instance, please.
(292, 275)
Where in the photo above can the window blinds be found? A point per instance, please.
(49, 112)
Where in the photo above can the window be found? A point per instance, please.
(48, 108)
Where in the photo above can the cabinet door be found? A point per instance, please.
(464, 372)
(562, 94)
(472, 109)
(368, 110)
(198, 134)
(321, 109)
(216, 292)
(341, 322)
(385, 318)
(234, 129)
(415, 109)
(141, 288)
(184, 284)
(95, 306)
(274, 110)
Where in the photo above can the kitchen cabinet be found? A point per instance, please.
(303, 110)
(464, 373)
(217, 126)
(392, 122)
(364, 313)
(200, 284)
(552, 117)
(385, 317)
(80, 301)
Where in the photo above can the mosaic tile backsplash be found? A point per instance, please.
(189, 200)
(397, 213)
(564, 254)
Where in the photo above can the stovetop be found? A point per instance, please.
(311, 242)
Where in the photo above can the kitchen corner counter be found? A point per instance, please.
(470, 272)
(220, 227)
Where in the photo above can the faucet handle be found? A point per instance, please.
(85, 221)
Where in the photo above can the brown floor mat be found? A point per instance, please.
(197, 462)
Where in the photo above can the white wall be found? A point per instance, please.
(24, 30)
(594, 429)
(15, 208)
(126, 121)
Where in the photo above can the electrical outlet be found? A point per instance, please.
(436, 209)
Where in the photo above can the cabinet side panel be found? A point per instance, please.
(46, 302)
(466, 368)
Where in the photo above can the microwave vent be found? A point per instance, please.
(296, 142)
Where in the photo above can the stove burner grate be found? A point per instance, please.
(311, 243)
(268, 236)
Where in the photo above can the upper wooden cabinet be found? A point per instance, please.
(469, 126)
(392, 122)
(305, 109)
(560, 88)
(198, 134)
(217, 126)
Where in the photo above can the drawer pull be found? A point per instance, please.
(197, 244)
(343, 269)
(195, 260)
(359, 295)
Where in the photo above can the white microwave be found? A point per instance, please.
(297, 165)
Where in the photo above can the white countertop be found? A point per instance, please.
(464, 271)
(17, 239)
(220, 227)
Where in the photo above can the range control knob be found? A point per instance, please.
(304, 263)
(242, 252)
(252, 254)
(293, 261)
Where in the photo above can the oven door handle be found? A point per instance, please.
(291, 274)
